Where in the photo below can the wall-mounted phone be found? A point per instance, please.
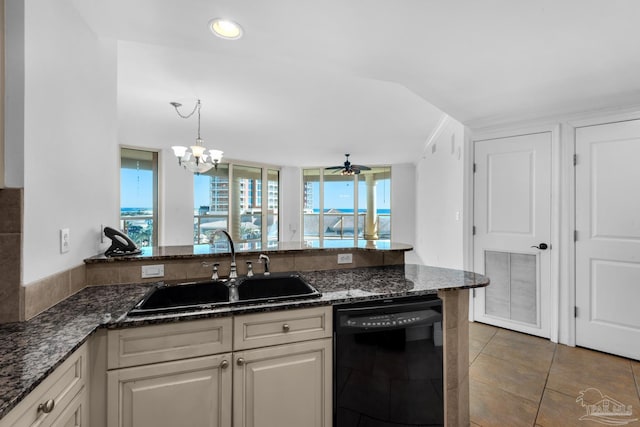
(121, 244)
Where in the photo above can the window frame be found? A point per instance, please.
(264, 199)
(155, 169)
(356, 181)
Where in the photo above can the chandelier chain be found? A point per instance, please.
(196, 107)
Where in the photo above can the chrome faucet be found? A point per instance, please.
(233, 272)
(266, 263)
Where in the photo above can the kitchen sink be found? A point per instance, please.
(216, 293)
(185, 296)
(277, 286)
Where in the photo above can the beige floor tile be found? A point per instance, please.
(508, 368)
(475, 347)
(490, 406)
(577, 369)
(635, 366)
(515, 378)
(481, 332)
(535, 352)
(558, 409)
(580, 370)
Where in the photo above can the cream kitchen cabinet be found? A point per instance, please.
(258, 370)
(169, 375)
(283, 369)
(189, 392)
(59, 401)
(285, 385)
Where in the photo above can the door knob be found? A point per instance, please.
(541, 246)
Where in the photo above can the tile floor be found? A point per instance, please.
(521, 380)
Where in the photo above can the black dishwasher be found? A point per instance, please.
(388, 363)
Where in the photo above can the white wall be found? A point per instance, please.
(14, 95)
(439, 198)
(403, 207)
(176, 202)
(291, 204)
(71, 165)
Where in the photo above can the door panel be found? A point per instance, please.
(512, 213)
(608, 244)
(287, 385)
(190, 392)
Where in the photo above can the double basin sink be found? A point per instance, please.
(218, 293)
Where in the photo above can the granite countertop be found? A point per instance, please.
(29, 351)
(185, 252)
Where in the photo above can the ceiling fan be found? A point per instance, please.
(347, 168)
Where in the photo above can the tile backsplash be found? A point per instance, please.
(11, 293)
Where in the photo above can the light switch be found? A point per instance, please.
(64, 240)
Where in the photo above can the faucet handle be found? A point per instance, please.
(249, 269)
(266, 263)
(214, 270)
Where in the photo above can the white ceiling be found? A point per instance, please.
(311, 80)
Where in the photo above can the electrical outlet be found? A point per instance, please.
(345, 258)
(64, 240)
(152, 271)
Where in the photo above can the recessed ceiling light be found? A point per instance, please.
(225, 28)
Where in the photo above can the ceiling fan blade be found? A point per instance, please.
(361, 167)
(335, 167)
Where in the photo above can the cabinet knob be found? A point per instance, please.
(240, 361)
(224, 364)
(47, 406)
(286, 327)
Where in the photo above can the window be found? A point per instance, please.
(232, 198)
(139, 195)
(338, 207)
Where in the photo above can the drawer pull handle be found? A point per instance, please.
(286, 327)
(224, 364)
(240, 361)
(47, 406)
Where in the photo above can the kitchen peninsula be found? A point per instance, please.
(33, 350)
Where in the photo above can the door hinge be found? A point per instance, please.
(473, 230)
(575, 311)
(575, 159)
(474, 168)
(575, 235)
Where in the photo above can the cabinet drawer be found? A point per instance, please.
(58, 390)
(281, 327)
(76, 413)
(172, 341)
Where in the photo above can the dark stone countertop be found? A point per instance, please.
(29, 351)
(206, 250)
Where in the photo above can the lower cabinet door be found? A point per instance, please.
(283, 386)
(191, 392)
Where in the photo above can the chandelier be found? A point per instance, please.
(196, 158)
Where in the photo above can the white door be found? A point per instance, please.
(512, 220)
(608, 238)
